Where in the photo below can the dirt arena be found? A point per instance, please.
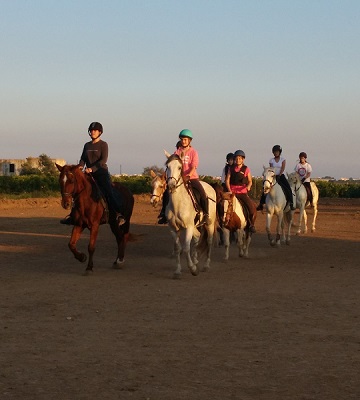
(283, 324)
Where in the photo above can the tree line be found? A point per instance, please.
(44, 182)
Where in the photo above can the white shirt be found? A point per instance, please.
(276, 165)
(303, 170)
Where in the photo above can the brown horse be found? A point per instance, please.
(80, 194)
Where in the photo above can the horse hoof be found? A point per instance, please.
(176, 276)
(288, 242)
(206, 269)
(272, 243)
(82, 258)
(194, 272)
(118, 264)
(88, 272)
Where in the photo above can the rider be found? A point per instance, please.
(304, 169)
(190, 160)
(279, 164)
(239, 182)
(93, 159)
(229, 162)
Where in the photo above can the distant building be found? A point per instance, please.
(10, 167)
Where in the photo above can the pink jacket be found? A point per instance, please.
(190, 160)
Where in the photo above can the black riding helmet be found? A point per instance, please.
(229, 156)
(95, 126)
(277, 147)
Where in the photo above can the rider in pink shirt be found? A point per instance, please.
(190, 160)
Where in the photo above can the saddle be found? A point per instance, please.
(246, 210)
(196, 200)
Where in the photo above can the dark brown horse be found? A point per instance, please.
(80, 194)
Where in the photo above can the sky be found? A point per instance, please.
(241, 74)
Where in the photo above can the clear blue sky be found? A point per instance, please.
(240, 74)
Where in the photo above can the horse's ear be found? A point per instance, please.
(167, 154)
(152, 173)
(59, 167)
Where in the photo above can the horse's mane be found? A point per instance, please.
(173, 157)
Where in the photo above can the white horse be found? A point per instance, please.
(180, 213)
(275, 204)
(234, 221)
(158, 184)
(301, 200)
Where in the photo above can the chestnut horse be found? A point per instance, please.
(80, 194)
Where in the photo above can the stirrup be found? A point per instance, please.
(205, 221)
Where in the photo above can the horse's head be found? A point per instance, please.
(174, 175)
(68, 183)
(158, 185)
(294, 179)
(269, 179)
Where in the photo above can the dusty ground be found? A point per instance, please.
(283, 324)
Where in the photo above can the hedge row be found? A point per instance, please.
(40, 185)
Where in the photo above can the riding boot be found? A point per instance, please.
(205, 221)
(260, 207)
(68, 220)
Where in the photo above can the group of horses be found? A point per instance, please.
(80, 194)
(226, 213)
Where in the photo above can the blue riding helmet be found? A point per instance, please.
(239, 153)
(186, 133)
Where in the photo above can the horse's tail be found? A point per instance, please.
(203, 244)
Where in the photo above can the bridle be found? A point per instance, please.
(74, 194)
(229, 212)
(178, 182)
(271, 182)
(159, 196)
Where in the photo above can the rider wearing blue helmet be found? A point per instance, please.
(239, 181)
(190, 160)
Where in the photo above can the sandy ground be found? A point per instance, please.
(283, 324)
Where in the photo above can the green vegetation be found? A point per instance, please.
(46, 185)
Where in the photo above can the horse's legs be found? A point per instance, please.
(305, 221)
(289, 218)
(280, 228)
(193, 249)
(244, 240)
(91, 246)
(301, 219)
(75, 236)
(121, 240)
(314, 217)
(226, 237)
(177, 252)
(189, 232)
(210, 235)
(276, 241)
(241, 241)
